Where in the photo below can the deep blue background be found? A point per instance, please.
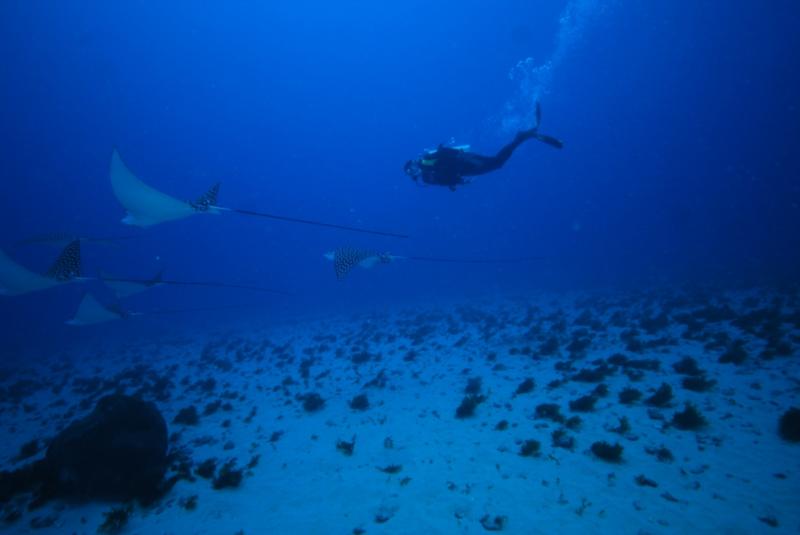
(680, 119)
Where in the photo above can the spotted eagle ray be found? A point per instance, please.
(16, 279)
(346, 258)
(91, 312)
(146, 206)
(122, 288)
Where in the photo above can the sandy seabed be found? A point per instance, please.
(419, 466)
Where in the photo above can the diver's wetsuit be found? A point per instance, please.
(447, 166)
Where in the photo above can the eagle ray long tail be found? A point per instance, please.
(209, 308)
(475, 260)
(208, 284)
(58, 238)
(310, 222)
(92, 312)
(346, 258)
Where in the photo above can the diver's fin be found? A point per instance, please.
(68, 264)
(550, 140)
(534, 132)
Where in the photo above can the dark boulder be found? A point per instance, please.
(789, 425)
(118, 452)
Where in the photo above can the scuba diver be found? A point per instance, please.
(447, 166)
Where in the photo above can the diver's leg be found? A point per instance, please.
(499, 160)
(521, 137)
(486, 164)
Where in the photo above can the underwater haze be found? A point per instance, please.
(666, 228)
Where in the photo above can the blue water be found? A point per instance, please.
(681, 124)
